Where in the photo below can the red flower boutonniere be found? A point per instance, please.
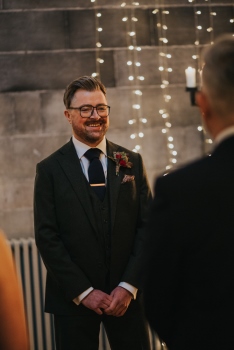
(120, 159)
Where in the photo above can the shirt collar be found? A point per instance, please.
(81, 147)
(224, 135)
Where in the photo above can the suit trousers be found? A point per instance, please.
(128, 332)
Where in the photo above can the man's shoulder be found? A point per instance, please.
(186, 175)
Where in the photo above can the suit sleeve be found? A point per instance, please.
(131, 274)
(162, 266)
(67, 275)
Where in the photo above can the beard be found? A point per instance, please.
(92, 132)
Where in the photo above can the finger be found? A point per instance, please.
(98, 311)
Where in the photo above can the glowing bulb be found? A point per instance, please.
(174, 153)
(169, 70)
(99, 29)
(136, 106)
(138, 64)
(170, 145)
(138, 92)
(168, 56)
(100, 60)
(99, 14)
(130, 77)
(173, 160)
(164, 115)
(131, 47)
(141, 134)
(199, 27)
(198, 12)
(129, 63)
(155, 11)
(94, 74)
(143, 120)
(140, 77)
(134, 19)
(170, 138)
(210, 29)
(161, 68)
(199, 128)
(133, 136)
(138, 147)
(132, 33)
(98, 44)
(124, 19)
(138, 48)
(164, 131)
(131, 121)
(168, 125)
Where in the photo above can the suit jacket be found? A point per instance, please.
(66, 232)
(190, 286)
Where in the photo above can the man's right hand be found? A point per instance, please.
(97, 301)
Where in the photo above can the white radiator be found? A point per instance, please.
(32, 274)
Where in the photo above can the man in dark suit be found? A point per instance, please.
(91, 246)
(190, 285)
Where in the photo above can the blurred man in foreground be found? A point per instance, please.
(190, 284)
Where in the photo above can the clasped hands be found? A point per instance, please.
(115, 304)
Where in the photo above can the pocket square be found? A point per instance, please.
(128, 178)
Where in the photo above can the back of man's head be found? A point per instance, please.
(218, 75)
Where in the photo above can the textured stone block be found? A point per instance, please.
(52, 113)
(17, 223)
(38, 30)
(16, 193)
(56, 70)
(27, 112)
(7, 121)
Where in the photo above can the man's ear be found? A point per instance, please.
(203, 104)
(68, 116)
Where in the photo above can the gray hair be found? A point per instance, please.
(218, 75)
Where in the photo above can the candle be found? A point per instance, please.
(190, 74)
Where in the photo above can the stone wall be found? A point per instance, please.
(46, 44)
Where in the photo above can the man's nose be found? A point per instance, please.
(94, 113)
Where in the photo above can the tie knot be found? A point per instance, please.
(92, 153)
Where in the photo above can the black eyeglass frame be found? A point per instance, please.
(79, 109)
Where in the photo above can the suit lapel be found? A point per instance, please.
(113, 181)
(70, 164)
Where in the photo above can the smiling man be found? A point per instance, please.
(91, 202)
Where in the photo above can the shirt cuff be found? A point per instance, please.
(130, 288)
(80, 297)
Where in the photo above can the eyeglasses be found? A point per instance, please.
(87, 111)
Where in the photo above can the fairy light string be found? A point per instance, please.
(136, 122)
(163, 57)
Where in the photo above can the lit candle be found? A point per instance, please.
(190, 74)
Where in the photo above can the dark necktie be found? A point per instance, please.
(95, 172)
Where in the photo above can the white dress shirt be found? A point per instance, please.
(81, 148)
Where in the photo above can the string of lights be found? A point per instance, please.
(98, 29)
(164, 57)
(136, 122)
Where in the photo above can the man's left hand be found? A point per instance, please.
(121, 300)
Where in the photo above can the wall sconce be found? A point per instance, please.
(191, 85)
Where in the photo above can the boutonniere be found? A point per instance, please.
(120, 159)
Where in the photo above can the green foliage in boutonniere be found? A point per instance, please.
(120, 159)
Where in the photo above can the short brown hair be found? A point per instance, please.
(83, 83)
